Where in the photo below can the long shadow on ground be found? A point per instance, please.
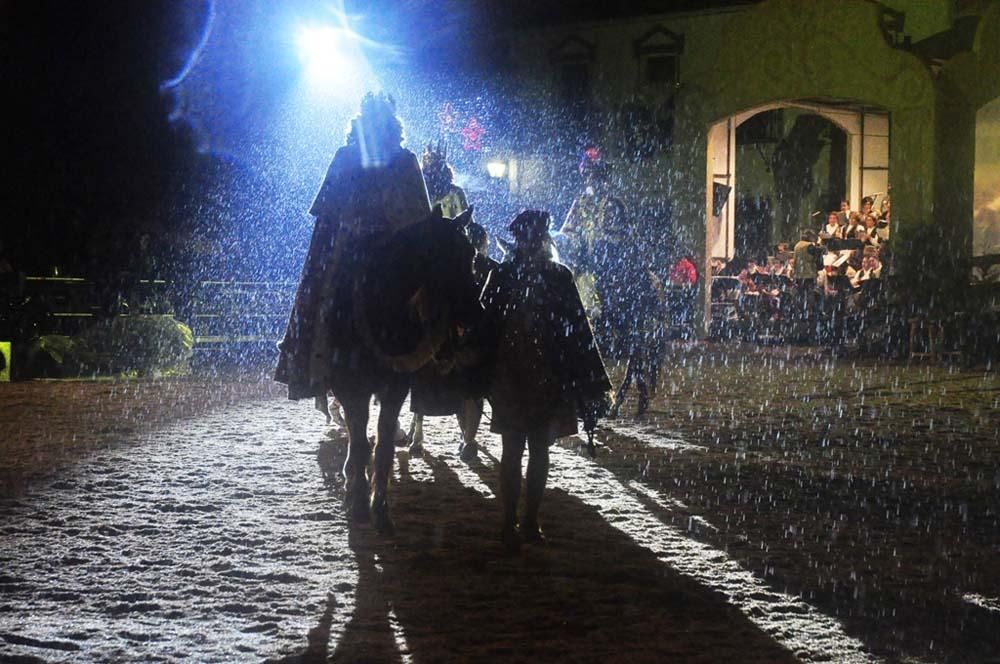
(855, 550)
(441, 589)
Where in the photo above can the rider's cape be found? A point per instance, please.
(356, 209)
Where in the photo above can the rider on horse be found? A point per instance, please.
(593, 230)
(372, 189)
(350, 330)
(437, 396)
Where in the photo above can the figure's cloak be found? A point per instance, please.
(357, 209)
(544, 353)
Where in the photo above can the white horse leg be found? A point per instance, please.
(468, 422)
(416, 434)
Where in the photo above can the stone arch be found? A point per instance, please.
(859, 123)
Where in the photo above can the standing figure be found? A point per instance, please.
(683, 280)
(440, 179)
(547, 369)
(472, 409)
(807, 263)
(595, 228)
(633, 319)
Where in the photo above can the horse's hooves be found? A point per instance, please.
(356, 502)
(358, 508)
(641, 407)
(380, 519)
(379, 510)
(469, 452)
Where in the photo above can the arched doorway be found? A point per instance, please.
(802, 55)
(848, 141)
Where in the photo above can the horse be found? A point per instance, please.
(619, 295)
(411, 302)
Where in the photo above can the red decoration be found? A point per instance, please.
(473, 133)
(593, 154)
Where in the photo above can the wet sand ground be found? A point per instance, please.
(774, 506)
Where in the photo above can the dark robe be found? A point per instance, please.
(357, 209)
(435, 393)
(545, 362)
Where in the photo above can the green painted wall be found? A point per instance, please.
(786, 50)
(923, 18)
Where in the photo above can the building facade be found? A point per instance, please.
(816, 101)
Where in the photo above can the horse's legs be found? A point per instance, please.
(537, 476)
(630, 370)
(510, 485)
(654, 367)
(416, 434)
(642, 367)
(358, 452)
(468, 422)
(391, 401)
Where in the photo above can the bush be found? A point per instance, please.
(142, 345)
(138, 345)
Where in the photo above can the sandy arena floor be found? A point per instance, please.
(774, 506)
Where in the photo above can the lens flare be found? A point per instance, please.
(332, 60)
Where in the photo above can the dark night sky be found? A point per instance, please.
(90, 152)
(91, 156)
(88, 142)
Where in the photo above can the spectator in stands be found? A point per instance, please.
(870, 235)
(866, 205)
(833, 229)
(870, 268)
(855, 227)
(845, 211)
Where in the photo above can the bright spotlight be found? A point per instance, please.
(332, 59)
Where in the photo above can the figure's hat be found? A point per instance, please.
(530, 225)
(378, 104)
(593, 164)
(435, 156)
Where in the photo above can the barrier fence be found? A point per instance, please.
(219, 313)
